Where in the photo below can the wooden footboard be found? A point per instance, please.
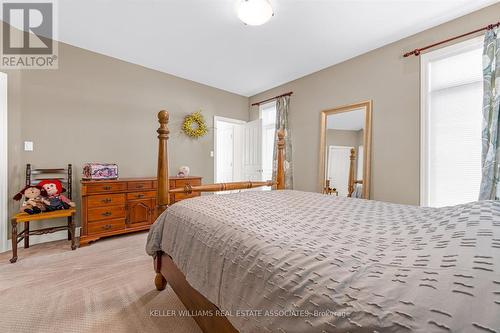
(166, 270)
(208, 317)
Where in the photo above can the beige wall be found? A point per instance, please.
(393, 83)
(100, 109)
(349, 138)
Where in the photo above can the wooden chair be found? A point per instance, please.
(33, 177)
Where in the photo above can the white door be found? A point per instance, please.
(227, 155)
(252, 151)
(338, 168)
(3, 162)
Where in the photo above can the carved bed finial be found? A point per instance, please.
(163, 118)
(281, 138)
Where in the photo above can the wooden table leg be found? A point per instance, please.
(14, 241)
(72, 232)
(27, 235)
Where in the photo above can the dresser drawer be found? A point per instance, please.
(184, 182)
(106, 187)
(182, 196)
(141, 195)
(180, 183)
(105, 213)
(105, 226)
(142, 185)
(103, 200)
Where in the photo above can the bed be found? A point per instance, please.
(291, 261)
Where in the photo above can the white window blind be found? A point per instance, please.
(452, 91)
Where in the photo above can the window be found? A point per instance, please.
(451, 116)
(268, 116)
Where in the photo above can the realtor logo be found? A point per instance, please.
(27, 35)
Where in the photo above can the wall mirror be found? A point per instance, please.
(345, 151)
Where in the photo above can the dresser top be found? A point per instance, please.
(137, 179)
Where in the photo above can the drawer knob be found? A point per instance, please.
(107, 226)
(106, 214)
(107, 200)
(107, 188)
(139, 186)
(140, 195)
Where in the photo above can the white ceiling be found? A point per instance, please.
(203, 40)
(353, 120)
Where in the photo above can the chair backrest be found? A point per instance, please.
(64, 175)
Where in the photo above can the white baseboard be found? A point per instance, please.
(38, 239)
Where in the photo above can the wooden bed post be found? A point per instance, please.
(163, 200)
(280, 177)
(163, 183)
(352, 181)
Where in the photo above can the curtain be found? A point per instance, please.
(282, 106)
(490, 158)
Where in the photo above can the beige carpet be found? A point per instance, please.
(105, 287)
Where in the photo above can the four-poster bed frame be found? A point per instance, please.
(165, 268)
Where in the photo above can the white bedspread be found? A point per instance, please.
(337, 264)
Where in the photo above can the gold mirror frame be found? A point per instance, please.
(367, 141)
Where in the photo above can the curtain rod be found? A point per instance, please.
(417, 52)
(273, 98)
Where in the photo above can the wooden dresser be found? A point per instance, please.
(112, 207)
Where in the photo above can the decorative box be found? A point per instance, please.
(100, 171)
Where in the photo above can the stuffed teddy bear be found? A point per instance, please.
(33, 201)
(52, 197)
(183, 171)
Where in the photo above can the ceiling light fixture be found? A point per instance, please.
(255, 12)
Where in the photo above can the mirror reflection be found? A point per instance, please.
(345, 139)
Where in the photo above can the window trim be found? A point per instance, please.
(425, 59)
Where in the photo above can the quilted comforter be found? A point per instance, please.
(290, 261)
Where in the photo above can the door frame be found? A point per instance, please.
(226, 120)
(4, 220)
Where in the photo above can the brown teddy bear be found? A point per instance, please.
(33, 201)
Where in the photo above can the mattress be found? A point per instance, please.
(291, 261)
